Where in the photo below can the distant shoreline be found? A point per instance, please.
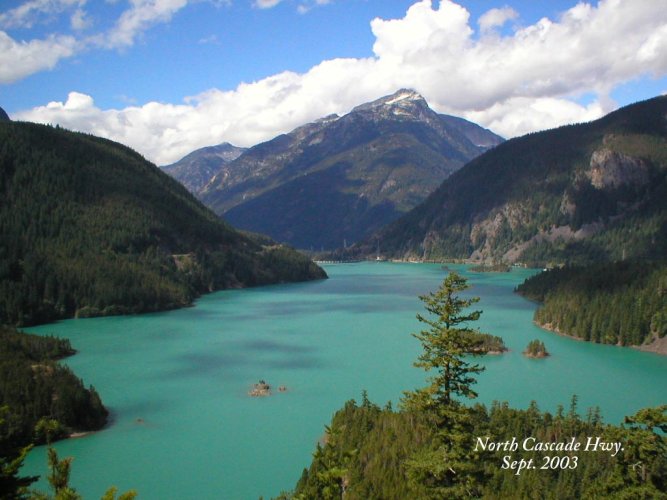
(657, 346)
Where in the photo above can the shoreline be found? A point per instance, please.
(80, 434)
(657, 346)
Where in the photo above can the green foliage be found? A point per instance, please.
(12, 486)
(536, 349)
(620, 303)
(446, 468)
(91, 228)
(369, 446)
(433, 448)
(110, 494)
(59, 482)
(446, 343)
(511, 197)
(383, 444)
(484, 343)
(46, 400)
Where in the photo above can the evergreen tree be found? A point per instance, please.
(447, 342)
(59, 475)
(447, 468)
(12, 486)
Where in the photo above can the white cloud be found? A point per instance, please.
(306, 6)
(266, 4)
(303, 7)
(134, 21)
(512, 83)
(496, 18)
(20, 59)
(34, 11)
(79, 20)
(522, 115)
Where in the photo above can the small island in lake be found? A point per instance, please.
(485, 343)
(261, 389)
(536, 349)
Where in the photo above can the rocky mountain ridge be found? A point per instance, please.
(339, 178)
(197, 169)
(580, 193)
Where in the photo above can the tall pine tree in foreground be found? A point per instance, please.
(447, 468)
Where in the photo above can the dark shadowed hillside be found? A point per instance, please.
(340, 178)
(89, 227)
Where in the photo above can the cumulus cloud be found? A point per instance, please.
(496, 18)
(512, 83)
(20, 59)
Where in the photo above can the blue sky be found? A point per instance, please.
(169, 76)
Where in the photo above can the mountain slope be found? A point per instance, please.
(4, 117)
(195, 170)
(581, 193)
(340, 178)
(89, 227)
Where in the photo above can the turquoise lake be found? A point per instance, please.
(176, 382)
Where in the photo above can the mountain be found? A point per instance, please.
(340, 178)
(578, 194)
(195, 170)
(4, 117)
(91, 228)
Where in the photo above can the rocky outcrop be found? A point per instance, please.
(260, 389)
(195, 170)
(547, 197)
(611, 169)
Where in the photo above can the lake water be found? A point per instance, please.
(177, 382)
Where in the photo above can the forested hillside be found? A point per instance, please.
(367, 452)
(89, 227)
(580, 193)
(33, 386)
(624, 303)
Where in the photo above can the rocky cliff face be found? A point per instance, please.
(195, 170)
(336, 180)
(610, 169)
(4, 117)
(581, 193)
